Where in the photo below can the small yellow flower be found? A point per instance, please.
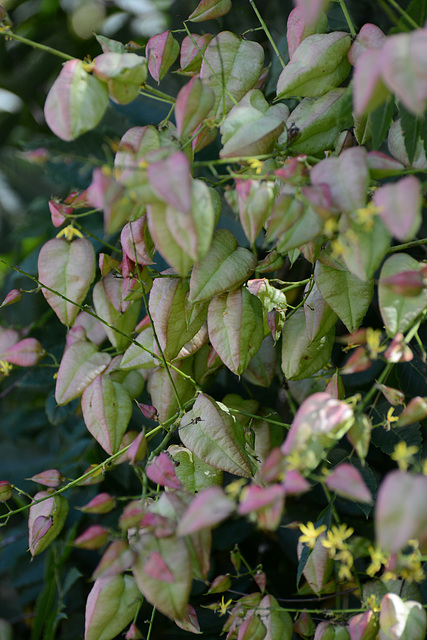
(69, 233)
(424, 466)
(310, 533)
(345, 558)
(373, 341)
(5, 367)
(404, 455)
(365, 215)
(378, 558)
(330, 227)
(255, 164)
(222, 606)
(234, 488)
(373, 603)
(338, 248)
(335, 538)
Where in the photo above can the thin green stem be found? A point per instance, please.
(97, 238)
(403, 13)
(407, 245)
(373, 390)
(267, 33)
(159, 94)
(347, 17)
(36, 45)
(257, 417)
(153, 613)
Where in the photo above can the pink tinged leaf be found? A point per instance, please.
(415, 411)
(403, 67)
(349, 191)
(370, 91)
(251, 629)
(311, 9)
(297, 29)
(348, 482)
(13, 296)
(93, 538)
(255, 498)
(397, 518)
(304, 625)
(75, 334)
(45, 520)
(80, 365)
(363, 626)
(261, 580)
(192, 49)
(25, 353)
(209, 10)
(110, 607)
(123, 321)
(133, 633)
(235, 328)
(76, 101)
(335, 387)
(59, 212)
(369, 37)
(277, 621)
(6, 490)
(224, 268)
(358, 361)
(136, 241)
(193, 103)
(102, 503)
(161, 470)
(407, 283)
(162, 50)
(171, 180)
(138, 449)
(396, 145)
(220, 584)
(318, 567)
(117, 558)
(400, 205)
(189, 622)
(148, 411)
(398, 351)
(94, 329)
(394, 396)
(8, 338)
(123, 72)
(208, 508)
(157, 568)
(107, 409)
(381, 165)
(294, 483)
(399, 619)
(49, 478)
(69, 269)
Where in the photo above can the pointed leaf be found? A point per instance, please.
(69, 269)
(277, 622)
(348, 482)
(400, 206)
(165, 240)
(45, 521)
(161, 50)
(363, 247)
(111, 605)
(209, 507)
(25, 353)
(193, 48)
(235, 328)
(398, 519)
(401, 620)
(124, 321)
(136, 357)
(193, 103)
(80, 365)
(231, 67)
(302, 357)
(123, 72)
(107, 409)
(224, 268)
(193, 473)
(209, 10)
(169, 597)
(311, 10)
(76, 101)
(161, 470)
(136, 241)
(171, 180)
(162, 394)
(398, 311)
(348, 296)
(215, 436)
(176, 321)
(255, 200)
(319, 316)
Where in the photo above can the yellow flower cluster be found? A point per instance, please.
(310, 533)
(404, 455)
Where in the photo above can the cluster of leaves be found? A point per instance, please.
(261, 404)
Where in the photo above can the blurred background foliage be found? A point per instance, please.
(35, 434)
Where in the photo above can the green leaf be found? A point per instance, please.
(107, 409)
(209, 431)
(136, 357)
(123, 72)
(76, 101)
(80, 364)
(163, 572)
(45, 521)
(224, 268)
(319, 316)
(161, 50)
(277, 622)
(231, 67)
(411, 126)
(402, 620)
(162, 394)
(301, 357)
(193, 103)
(399, 312)
(380, 121)
(363, 248)
(252, 127)
(348, 296)
(110, 607)
(69, 269)
(235, 326)
(209, 10)
(193, 473)
(123, 320)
